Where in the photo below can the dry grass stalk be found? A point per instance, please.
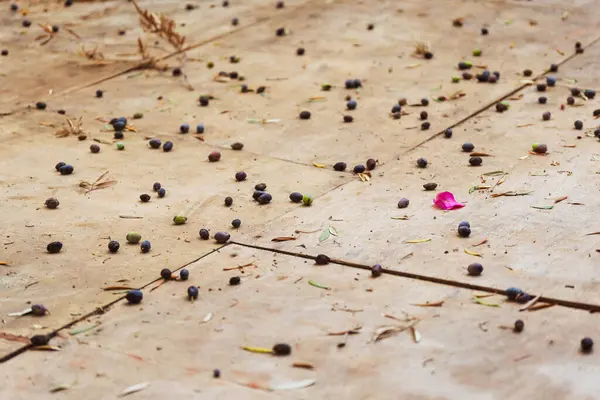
(92, 55)
(161, 25)
(164, 27)
(100, 183)
(71, 128)
(421, 48)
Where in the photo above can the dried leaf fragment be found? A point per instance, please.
(20, 313)
(318, 285)
(134, 388)
(305, 365)
(386, 331)
(60, 388)
(352, 331)
(364, 176)
(324, 235)
(542, 207)
(430, 304)
(480, 154)
(559, 199)
(318, 165)
(207, 317)
(484, 241)
(262, 350)
(108, 288)
(415, 334)
(484, 303)
(473, 253)
(418, 241)
(530, 303)
(294, 385)
(283, 239)
(14, 338)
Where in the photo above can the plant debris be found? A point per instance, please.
(262, 350)
(77, 331)
(100, 183)
(513, 193)
(412, 241)
(293, 385)
(430, 304)
(478, 300)
(71, 128)
(304, 365)
(283, 239)
(542, 207)
(352, 331)
(14, 338)
(473, 253)
(484, 241)
(135, 388)
(61, 387)
(318, 285)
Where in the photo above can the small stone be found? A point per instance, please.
(235, 280)
(430, 186)
(237, 146)
(214, 156)
(94, 148)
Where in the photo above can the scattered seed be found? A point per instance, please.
(322, 259)
(519, 325)
(282, 349)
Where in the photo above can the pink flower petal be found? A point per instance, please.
(446, 201)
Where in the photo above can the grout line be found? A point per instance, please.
(99, 310)
(592, 308)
